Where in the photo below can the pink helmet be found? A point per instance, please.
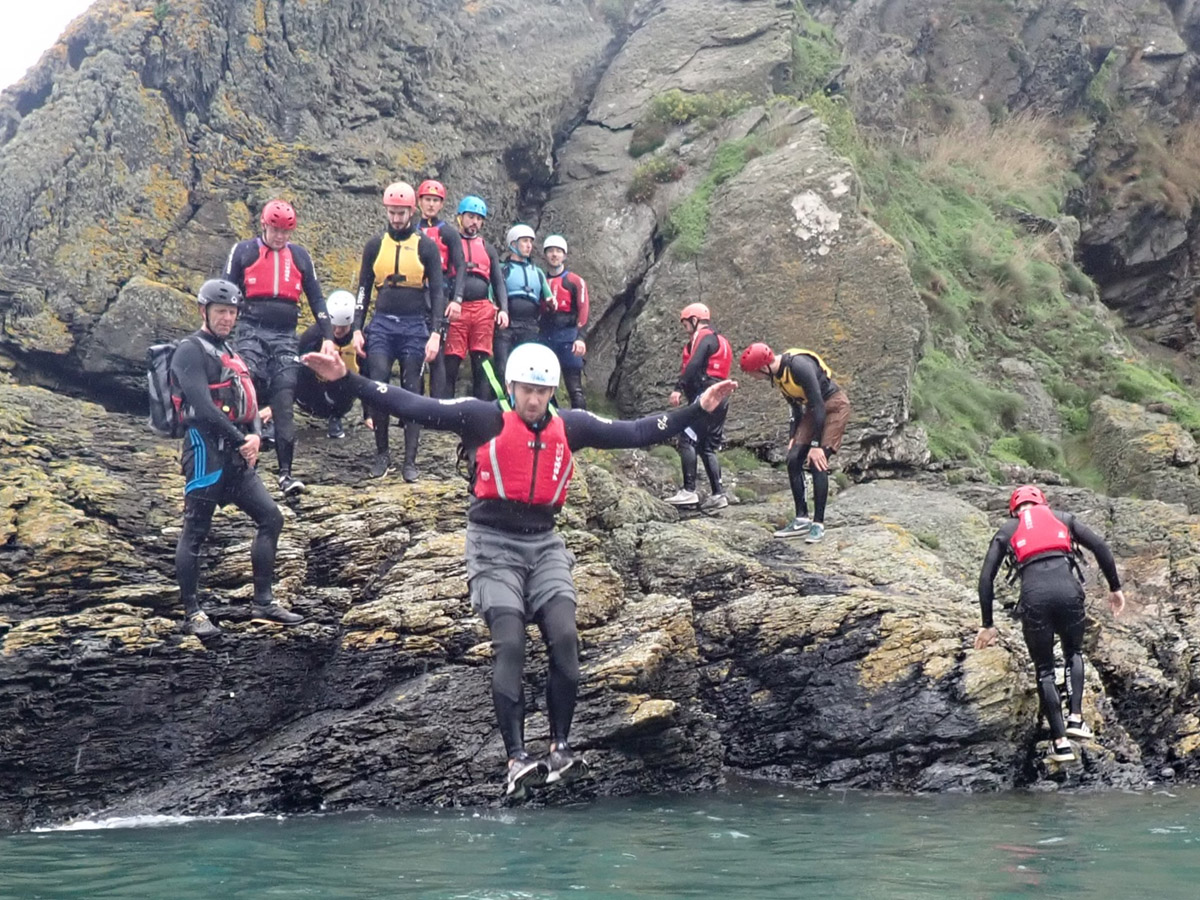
(1026, 493)
(431, 188)
(399, 193)
(279, 214)
(755, 357)
(695, 311)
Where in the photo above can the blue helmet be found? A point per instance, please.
(472, 204)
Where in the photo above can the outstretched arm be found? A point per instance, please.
(585, 429)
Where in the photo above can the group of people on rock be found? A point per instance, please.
(442, 294)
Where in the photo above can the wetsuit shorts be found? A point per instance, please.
(837, 416)
(397, 336)
(561, 340)
(473, 330)
(521, 572)
(269, 354)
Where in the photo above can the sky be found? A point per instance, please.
(29, 29)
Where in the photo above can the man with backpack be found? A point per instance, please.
(707, 358)
(1040, 543)
(217, 408)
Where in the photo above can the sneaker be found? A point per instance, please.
(1077, 729)
(336, 431)
(801, 525)
(410, 472)
(267, 438)
(1061, 751)
(715, 502)
(523, 772)
(684, 497)
(564, 765)
(816, 531)
(382, 464)
(199, 624)
(273, 612)
(289, 485)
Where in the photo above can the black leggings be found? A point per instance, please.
(796, 460)
(1052, 603)
(243, 488)
(573, 379)
(379, 368)
(704, 446)
(556, 621)
(481, 388)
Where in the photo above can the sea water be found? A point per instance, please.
(749, 841)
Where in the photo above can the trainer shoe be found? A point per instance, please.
(684, 497)
(564, 765)
(199, 624)
(524, 772)
(273, 612)
(798, 527)
(267, 438)
(383, 462)
(336, 431)
(715, 502)
(1078, 729)
(816, 531)
(1061, 751)
(410, 472)
(289, 485)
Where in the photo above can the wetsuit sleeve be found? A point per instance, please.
(312, 290)
(458, 262)
(235, 266)
(431, 259)
(582, 304)
(189, 369)
(586, 429)
(366, 282)
(691, 377)
(804, 372)
(466, 416)
(499, 288)
(310, 341)
(987, 575)
(1092, 541)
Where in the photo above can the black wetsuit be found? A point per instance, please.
(216, 474)
(400, 325)
(454, 271)
(1051, 602)
(527, 288)
(818, 387)
(706, 439)
(492, 522)
(266, 336)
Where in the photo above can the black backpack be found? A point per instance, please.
(164, 420)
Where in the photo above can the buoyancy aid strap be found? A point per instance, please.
(497, 388)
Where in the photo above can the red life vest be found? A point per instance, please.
(719, 363)
(524, 465)
(273, 275)
(233, 392)
(1039, 533)
(434, 233)
(479, 263)
(562, 300)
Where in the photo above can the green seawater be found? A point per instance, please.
(749, 841)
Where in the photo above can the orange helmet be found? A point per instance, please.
(431, 188)
(279, 214)
(399, 193)
(695, 311)
(756, 356)
(1026, 493)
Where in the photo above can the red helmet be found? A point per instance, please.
(756, 356)
(695, 311)
(279, 214)
(1026, 493)
(431, 188)
(399, 193)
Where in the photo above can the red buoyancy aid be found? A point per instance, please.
(273, 275)
(719, 363)
(233, 392)
(561, 299)
(524, 465)
(478, 263)
(434, 233)
(1039, 533)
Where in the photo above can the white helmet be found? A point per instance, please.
(532, 364)
(340, 306)
(516, 233)
(555, 240)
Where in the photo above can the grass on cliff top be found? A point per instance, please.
(687, 227)
(674, 108)
(967, 205)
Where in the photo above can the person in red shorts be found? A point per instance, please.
(484, 304)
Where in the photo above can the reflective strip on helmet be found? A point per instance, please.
(496, 470)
